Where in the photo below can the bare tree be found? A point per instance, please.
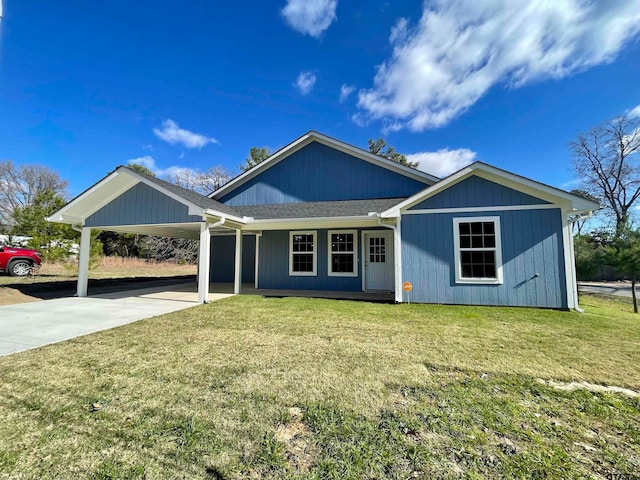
(579, 224)
(606, 158)
(19, 185)
(178, 249)
(202, 182)
(166, 249)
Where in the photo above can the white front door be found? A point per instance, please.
(378, 260)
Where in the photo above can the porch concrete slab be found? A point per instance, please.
(31, 325)
(249, 289)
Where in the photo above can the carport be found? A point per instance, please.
(128, 201)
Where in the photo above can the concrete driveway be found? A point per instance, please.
(618, 289)
(31, 325)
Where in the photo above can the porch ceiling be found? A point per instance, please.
(175, 230)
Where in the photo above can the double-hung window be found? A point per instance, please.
(343, 253)
(302, 253)
(478, 252)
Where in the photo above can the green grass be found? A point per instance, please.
(306, 388)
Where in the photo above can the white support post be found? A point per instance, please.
(397, 260)
(83, 261)
(204, 262)
(258, 235)
(237, 280)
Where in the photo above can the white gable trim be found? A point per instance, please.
(539, 190)
(61, 216)
(310, 137)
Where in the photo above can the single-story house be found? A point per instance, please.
(320, 214)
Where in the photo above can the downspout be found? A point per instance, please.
(218, 223)
(397, 255)
(571, 221)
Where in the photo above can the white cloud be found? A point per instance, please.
(634, 112)
(444, 161)
(310, 17)
(568, 185)
(149, 162)
(345, 91)
(459, 50)
(305, 82)
(359, 119)
(173, 134)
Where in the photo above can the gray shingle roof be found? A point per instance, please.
(189, 195)
(342, 208)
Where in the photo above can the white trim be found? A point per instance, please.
(237, 275)
(312, 136)
(498, 280)
(353, 253)
(216, 214)
(502, 208)
(255, 273)
(501, 177)
(59, 217)
(365, 252)
(204, 263)
(569, 263)
(314, 252)
(397, 265)
(397, 257)
(83, 262)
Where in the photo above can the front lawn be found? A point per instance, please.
(311, 388)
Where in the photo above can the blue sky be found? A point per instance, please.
(86, 86)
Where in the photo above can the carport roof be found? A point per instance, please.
(189, 195)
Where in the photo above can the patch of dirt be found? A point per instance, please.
(592, 387)
(298, 442)
(10, 296)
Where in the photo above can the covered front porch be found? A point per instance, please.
(353, 254)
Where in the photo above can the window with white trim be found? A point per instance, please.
(478, 250)
(302, 253)
(343, 253)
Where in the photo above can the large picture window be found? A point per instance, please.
(478, 252)
(343, 253)
(302, 253)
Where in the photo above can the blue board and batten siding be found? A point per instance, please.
(318, 173)
(141, 205)
(274, 265)
(531, 243)
(223, 254)
(477, 192)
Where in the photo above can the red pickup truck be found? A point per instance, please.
(19, 262)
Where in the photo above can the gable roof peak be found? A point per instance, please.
(321, 138)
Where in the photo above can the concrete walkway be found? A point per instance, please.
(31, 325)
